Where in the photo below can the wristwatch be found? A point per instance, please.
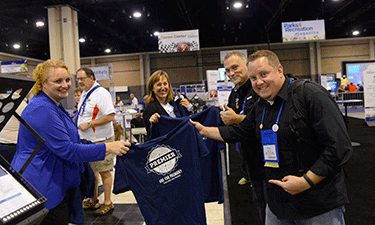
(89, 123)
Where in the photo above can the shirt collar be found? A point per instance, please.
(95, 84)
(245, 86)
(283, 93)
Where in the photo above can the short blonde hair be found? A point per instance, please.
(156, 77)
(273, 60)
(40, 73)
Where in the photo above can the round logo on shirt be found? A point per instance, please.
(162, 159)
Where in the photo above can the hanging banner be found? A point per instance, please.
(212, 77)
(17, 66)
(101, 72)
(178, 41)
(303, 31)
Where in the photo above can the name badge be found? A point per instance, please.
(270, 149)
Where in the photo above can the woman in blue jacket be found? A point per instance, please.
(55, 171)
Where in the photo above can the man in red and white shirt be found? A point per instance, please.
(95, 116)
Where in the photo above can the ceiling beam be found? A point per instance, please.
(103, 27)
(355, 14)
(185, 13)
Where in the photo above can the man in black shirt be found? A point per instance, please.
(305, 178)
(240, 102)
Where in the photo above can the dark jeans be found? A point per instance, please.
(333, 217)
(8, 151)
(58, 215)
(244, 166)
(259, 197)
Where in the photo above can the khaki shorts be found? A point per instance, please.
(108, 163)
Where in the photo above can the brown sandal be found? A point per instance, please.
(104, 209)
(91, 204)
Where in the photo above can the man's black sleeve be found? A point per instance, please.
(327, 121)
(239, 132)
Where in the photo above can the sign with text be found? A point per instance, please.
(369, 93)
(179, 41)
(303, 31)
(101, 72)
(18, 66)
(212, 77)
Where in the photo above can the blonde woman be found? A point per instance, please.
(55, 171)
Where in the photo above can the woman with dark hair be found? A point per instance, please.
(160, 100)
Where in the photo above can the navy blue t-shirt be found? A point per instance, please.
(165, 177)
(210, 164)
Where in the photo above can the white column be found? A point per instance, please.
(63, 41)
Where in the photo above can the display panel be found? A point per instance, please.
(14, 198)
(222, 73)
(332, 85)
(19, 200)
(354, 70)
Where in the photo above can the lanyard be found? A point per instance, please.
(82, 108)
(243, 104)
(278, 116)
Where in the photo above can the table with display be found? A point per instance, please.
(346, 103)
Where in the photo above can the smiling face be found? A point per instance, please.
(57, 85)
(236, 70)
(161, 89)
(77, 96)
(265, 79)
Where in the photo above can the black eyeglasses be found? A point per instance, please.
(81, 78)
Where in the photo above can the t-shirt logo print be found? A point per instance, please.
(162, 159)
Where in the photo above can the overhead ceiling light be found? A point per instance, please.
(237, 5)
(107, 50)
(39, 24)
(81, 40)
(355, 33)
(16, 46)
(137, 14)
(156, 33)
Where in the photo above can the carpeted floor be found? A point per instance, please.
(360, 182)
(361, 179)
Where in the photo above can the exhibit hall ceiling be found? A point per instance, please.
(112, 24)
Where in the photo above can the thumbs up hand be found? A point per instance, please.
(228, 116)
